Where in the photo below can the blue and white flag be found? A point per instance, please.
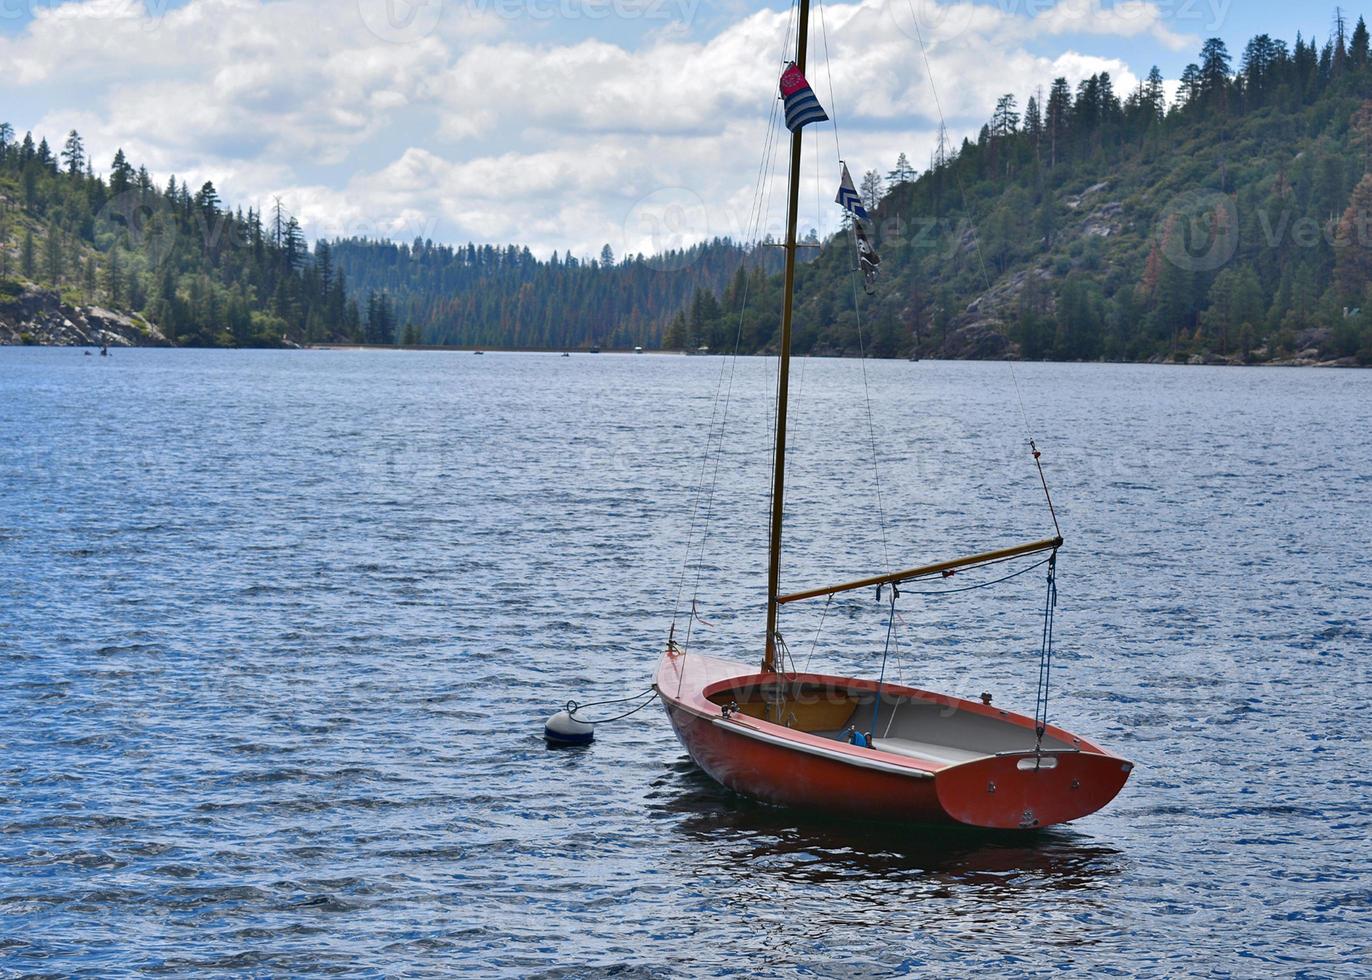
(802, 107)
(848, 196)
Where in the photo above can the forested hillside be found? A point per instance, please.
(194, 271)
(75, 246)
(492, 296)
(1234, 224)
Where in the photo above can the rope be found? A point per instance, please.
(1046, 654)
(828, 71)
(720, 407)
(890, 628)
(984, 585)
(572, 707)
(1044, 480)
(823, 616)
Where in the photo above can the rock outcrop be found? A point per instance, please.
(29, 315)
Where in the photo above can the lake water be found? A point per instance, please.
(279, 631)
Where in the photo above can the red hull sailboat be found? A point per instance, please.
(873, 749)
(939, 759)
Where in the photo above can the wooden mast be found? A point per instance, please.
(769, 662)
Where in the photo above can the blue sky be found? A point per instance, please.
(563, 124)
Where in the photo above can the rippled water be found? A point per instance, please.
(278, 632)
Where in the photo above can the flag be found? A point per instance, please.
(848, 196)
(801, 105)
(868, 259)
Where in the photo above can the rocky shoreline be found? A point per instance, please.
(34, 316)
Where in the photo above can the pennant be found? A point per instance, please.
(848, 196)
(802, 107)
(868, 259)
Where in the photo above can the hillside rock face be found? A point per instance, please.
(38, 316)
(981, 340)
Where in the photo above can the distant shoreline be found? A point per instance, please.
(472, 349)
(1346, 362)
(117, 345)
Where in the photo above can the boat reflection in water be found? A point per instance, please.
(782, 847)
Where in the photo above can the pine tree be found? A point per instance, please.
(121, 174)
(1353, 242)
(1188, 92)
(293, 245)
(74, 154)
(871, 190)
(1155, 98)
(114, 279)
(1360, 132)
(1213, 77)
(903, 173)
(1033, 120)
(28, 255)
(278, 222)
(52, 257)
(1339, 56)
(1358, 46)
(1004, 120)
(1057, 117)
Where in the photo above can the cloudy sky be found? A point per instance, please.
(563, 124)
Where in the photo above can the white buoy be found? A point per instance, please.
(563, 729)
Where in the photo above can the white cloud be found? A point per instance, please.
(1132, 18)
(479, 126)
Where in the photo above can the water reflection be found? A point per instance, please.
(812, 848)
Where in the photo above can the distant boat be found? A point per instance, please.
(478, 352)
(104, 350)
(595, 350)
(566, 354)
(638, 350)
(872, 749)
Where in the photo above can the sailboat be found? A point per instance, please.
(873, 749)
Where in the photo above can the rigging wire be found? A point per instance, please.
(1046, 654)
(823, 616)
(979, 585)
(857, 307)
(981, 259)
(763, 184)
(828, 71)
(881, 679)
